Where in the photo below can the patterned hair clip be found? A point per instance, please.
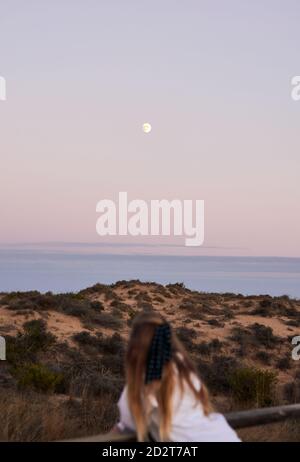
(160, 352)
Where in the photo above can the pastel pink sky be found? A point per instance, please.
(213, 79)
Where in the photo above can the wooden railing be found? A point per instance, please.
(240, 419)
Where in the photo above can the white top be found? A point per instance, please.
(189, 423)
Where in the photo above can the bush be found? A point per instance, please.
(291, 392)
(186, 336)
(101, 289)
(284, 362)
(216, 373)
(281, 306)
(264, 335)
(144, 306)
(264, 357)
(36, 336)
(228, 314)
(23, 348)
(158, 299)
(105, 320)
(38, 377)
(85, 338)
(255, 335)
(215, 323)
(207, 348)
(120, 306)
(111, 344)
(193, 309)
(253, 386)
(69, 303)
(176, 287)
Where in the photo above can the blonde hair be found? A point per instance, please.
(138, 392)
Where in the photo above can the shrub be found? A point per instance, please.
(186, 336)
(284, 362)
(85, 338)
(106, 320)
(239, 335)
(145, 306)
(277, 305)
(111, 344)
(184, 333)
(177, 286)
(119, 305)
(217, 372)
(265, 303)
(23, 347)
(207, 348)
(228, 314)
(100, 289)
(104, 385)
(215, 323)
(264, 357)
(193, 309)
(264, 335)
(38, 377)
(69, 303)
(36, 336)
(291, 391)
(114, 363)
(158, 299)
(143, 297)
(255, 335)
(253, 386)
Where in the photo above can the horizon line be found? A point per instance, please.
(141, 245)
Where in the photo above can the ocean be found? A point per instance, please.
(71, 270)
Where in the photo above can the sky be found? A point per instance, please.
(212, 77)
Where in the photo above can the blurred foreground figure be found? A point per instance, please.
(164, 399)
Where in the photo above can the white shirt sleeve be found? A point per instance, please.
(126, 420)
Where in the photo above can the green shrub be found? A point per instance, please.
(207, 348)
(264, 357)
(36, 336)
(113, 344)
(217, 372)
(24, 347)
(106, 320)
(264, 335)
(68, 303)
(253, 386)
(85, 338)
(284, 362)
(215, 323)
(38, 377)
(291, 391)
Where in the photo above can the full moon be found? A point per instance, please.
(147, 127)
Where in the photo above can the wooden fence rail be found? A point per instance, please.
(240, 419)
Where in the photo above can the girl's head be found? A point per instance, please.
(152, 341)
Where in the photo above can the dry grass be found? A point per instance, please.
(288, 431)
(35, 417)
